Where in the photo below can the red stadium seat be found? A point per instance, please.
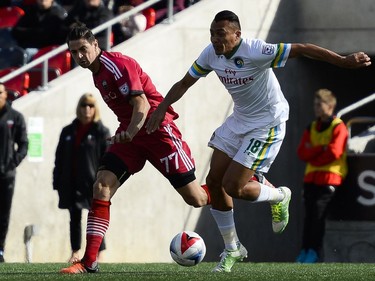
(18, 85)
(111, 39)
(62, 61)
(9, 16)
(35, 75)
(150, 15)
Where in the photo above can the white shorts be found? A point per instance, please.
(255, 150)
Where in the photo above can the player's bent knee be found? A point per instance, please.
(101, 192)
(233, 193)
(232, 189)
(105, 186)
(195, 202)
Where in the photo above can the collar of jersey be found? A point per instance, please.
(233, 51)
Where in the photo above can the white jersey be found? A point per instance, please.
(249, 79)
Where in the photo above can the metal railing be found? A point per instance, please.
(105, 26)
(358, 119)
(356, 105)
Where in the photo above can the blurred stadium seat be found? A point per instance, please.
(150, 15)
(61, 62)
(17, 86)
(6, 38)
(9, 16)
(12, 57)
(35, 75)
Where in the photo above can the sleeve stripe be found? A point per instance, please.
(198, 70)
(281, 55)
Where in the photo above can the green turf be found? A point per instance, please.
(202, 272)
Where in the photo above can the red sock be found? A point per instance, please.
(205, 187)
(254, 178)
(97, 225)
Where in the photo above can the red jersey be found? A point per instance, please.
(121, 77)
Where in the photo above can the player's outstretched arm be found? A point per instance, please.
(173, 95)
(355, 60)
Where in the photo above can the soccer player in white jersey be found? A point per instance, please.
(250, 138)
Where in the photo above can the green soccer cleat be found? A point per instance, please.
(280, 211)
(229, 258)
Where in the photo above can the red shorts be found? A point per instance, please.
(164, 149)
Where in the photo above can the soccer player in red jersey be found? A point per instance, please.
(131, 95)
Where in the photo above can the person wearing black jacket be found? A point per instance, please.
(41, 26)
(13, 149)
(92, 13)
(80, 147)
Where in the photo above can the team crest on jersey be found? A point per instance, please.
(124, 89)
(268, 49)
(104, 84)
(239, 62)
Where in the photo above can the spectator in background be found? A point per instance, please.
(68, 4)
(131, 25)
(80, 147)
(13, 149)
(92, 13)
(161, 9)
(118, 3)
(322, 147)
(40, 26)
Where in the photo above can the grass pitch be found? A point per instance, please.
(202, 272)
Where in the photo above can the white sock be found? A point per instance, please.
(269, 194)
(227, 228)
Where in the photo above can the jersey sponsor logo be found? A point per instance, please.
(110, 96)
(239, 62)
(230, 71)
(268, 49)
(235, 81)
(230, 78)
(124, 89)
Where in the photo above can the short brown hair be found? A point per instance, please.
(80, 31)
(326, 96)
